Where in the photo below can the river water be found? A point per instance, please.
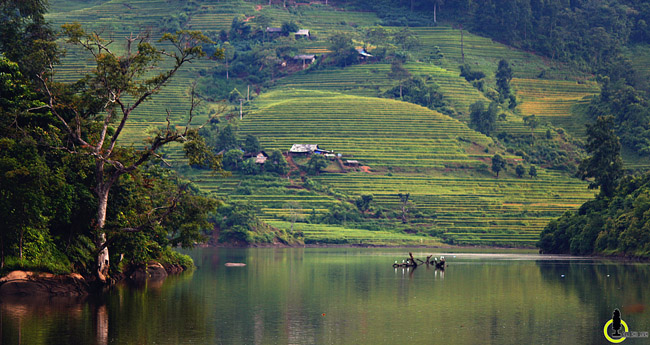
(350, 296)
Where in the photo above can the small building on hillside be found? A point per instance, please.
(307, 149)
(302, 33)
(352, 163)
(273, 30)
(303, 148)
(306, 59)
(261, 157)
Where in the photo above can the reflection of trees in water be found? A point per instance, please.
(615, 280)
(149, 313)
(43, 320)
(601, 286)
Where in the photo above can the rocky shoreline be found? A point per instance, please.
(39, 284)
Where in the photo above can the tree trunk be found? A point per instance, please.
(227, 69)
(415, 264)
(102, 256)
(400, 92)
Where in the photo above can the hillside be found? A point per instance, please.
(442, 163)
(407, 149)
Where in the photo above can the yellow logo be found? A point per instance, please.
(609, 338)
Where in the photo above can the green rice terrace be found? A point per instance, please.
(401, 147)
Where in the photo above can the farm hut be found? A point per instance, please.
(306, 59)
(273, 30)
(302, 33)
(303, 148)
(363, 53)
(261, 157)
(352, 163)
(330, 156)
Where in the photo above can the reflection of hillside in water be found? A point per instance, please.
(602, 285)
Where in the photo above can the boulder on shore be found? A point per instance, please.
(25, 283)
(152, 271)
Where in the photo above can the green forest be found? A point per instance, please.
(130, 128)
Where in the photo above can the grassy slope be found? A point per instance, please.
(443, 174)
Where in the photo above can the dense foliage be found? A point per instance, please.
(68, 191)
(616, 222)
(607, 226)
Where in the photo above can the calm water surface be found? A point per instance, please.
(350, 296)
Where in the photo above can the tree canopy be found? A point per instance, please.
(604, 163)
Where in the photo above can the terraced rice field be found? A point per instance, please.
(372, 80)
(469, 205)
(323, 233)
(376, 131)
(321, 21)
(553, 100)
(472, 209)
(481, 53)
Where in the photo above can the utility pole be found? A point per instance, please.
(248, 93)
(241, 104)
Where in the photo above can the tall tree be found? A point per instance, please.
(498, 164)
(226, 139)
(404, 200)
(503, 77)
(228, 55)
(399, 73)
(604, 164)
(316, 164)
(342, 47)
(481, 119)
(277, 163)
(251, 144)
(118, 85)
(532, 122)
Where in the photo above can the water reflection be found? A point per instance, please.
(347, 296)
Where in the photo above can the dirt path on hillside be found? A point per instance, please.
(293, 167)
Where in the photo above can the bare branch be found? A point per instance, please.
(38, 108)
(163, 160)
(76, 134)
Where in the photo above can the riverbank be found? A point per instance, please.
(20, 283)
